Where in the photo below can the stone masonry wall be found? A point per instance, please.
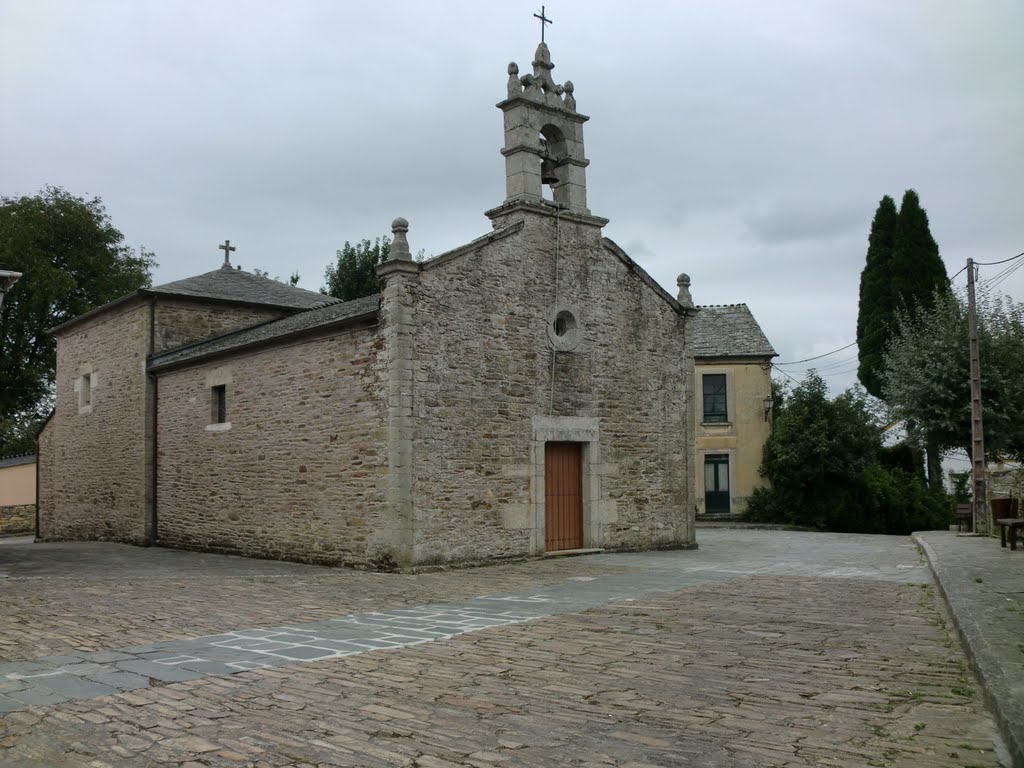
(484, 370)
(45, 465)
(92, 458)
(17, 519)
(182, 322)
(300, 472)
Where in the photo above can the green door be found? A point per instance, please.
(716, 484)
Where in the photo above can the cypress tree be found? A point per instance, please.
(877, 299)
(903, 269)
(918, 271)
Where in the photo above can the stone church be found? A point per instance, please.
(529, 392)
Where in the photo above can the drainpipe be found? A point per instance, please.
(38, 467)
(150, 462)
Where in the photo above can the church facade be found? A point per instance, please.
(529, 392)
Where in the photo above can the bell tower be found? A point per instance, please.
(543, 138)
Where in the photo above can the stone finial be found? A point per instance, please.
(514, 86)
(542, 67)
(684, 297)
(542, 58)
(399, 242)
(569, 100)
(539, 86)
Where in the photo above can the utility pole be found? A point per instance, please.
(982, 523)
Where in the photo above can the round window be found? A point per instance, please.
(563, 329)
(565, 322)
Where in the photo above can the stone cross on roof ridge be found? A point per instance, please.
(227, 248)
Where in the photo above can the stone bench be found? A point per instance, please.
(1010, 524)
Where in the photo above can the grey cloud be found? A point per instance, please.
(744, 143)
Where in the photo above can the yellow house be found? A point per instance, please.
(732, 357)
(17, 495)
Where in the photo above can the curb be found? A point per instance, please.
(986, 668)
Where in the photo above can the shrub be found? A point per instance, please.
(824, 460)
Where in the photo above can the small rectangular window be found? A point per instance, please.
(84, 386)
(219, 404)
(85, 391)
(716, 408)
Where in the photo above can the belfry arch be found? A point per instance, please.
(543, 138)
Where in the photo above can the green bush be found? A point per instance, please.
(824, 462)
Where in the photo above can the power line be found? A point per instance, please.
(994, 263)
(992, 282)
(962, 269)
(785, 374)
(1004, 275)
(818, 357)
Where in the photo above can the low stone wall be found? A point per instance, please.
(1006, 483)
(18, 520)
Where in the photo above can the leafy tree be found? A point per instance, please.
(353, 276)
(876, 295)
(823, 460)
(927, 372)
(293, 279)
(73, 259)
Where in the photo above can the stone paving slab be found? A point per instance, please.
(190, 659)
(760, 649)
(756, 671)
(983, 584)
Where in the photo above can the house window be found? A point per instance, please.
(716, 409)
(219, 404)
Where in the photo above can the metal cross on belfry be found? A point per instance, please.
(227, 248)
(543, 20)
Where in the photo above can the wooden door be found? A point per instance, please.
(563, 496)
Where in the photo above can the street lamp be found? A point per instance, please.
(7, 281)
(769, 403)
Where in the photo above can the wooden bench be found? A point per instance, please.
(1010, 524)
(964, 518)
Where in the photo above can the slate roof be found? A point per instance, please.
(729, 330)
(230, 285)
(15, 461)
(244, 287)
(270, 332)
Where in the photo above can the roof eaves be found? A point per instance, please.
(472, 245)
(97, 311)
(651, 283)
(745, 357)
(154, 365)
(237, 302)
(17, 461)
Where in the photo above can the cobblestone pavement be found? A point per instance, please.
(760, 649)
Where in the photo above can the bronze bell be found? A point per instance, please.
(547, 172)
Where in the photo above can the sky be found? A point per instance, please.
(745, 143)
